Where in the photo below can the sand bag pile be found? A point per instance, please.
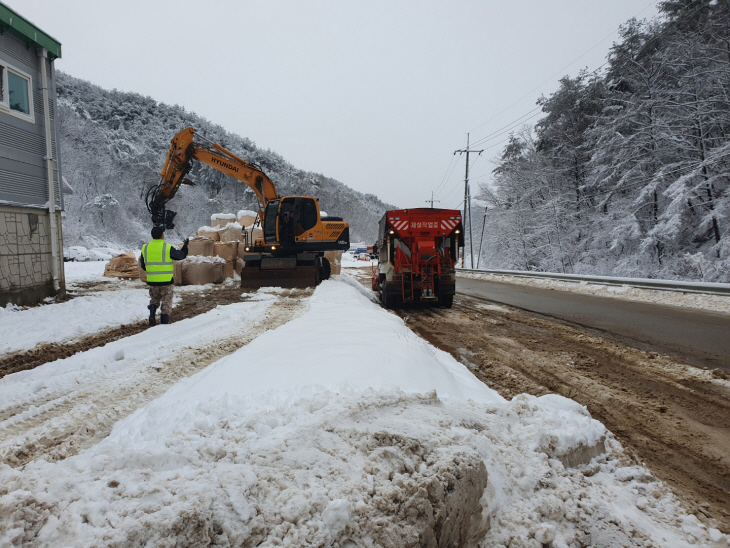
(226, 227)
(233, 232)
(201, 270)
(226, 237)
(123, 266)
(200, 246)
(209, 232)
(228, 251)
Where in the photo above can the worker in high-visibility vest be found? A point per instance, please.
(157, 260)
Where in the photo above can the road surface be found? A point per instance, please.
(699, 338)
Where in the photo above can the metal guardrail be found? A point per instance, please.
(644, 283)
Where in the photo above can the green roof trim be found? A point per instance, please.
(25, 29)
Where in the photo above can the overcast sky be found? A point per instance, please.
(377, 94)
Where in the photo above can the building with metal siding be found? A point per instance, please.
(31, 201)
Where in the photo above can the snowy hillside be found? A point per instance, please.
(113, 145)
(323, 442)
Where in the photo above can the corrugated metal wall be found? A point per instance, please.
(23, 175)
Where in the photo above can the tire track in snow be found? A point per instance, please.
(60, 425)
(191, 304)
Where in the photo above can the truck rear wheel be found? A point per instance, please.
(446, 301)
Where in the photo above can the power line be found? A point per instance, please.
(456, 186)
(514, 125)
(449, 172)
(561, 70)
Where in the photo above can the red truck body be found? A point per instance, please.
(417, 251)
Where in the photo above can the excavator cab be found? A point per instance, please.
(290, 221)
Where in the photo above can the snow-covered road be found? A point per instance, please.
(320, 422)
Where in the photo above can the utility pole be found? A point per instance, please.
(431, 201)
(467, 199)
(481, 240)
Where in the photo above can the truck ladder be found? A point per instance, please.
(407, 286)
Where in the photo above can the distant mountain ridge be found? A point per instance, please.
(113, 145)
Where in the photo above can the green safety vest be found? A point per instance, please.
(157, 261)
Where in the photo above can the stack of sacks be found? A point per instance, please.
(335, 259)
(201, 246)
(209, 232)
(220, 220)
(228, 251)
(233, 232)
(200, 270)
(122, 266)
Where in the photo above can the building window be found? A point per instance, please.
(15, 92)
(18, 87)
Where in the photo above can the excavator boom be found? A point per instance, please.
(184, 150)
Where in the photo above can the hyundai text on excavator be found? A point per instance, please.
(295, 236)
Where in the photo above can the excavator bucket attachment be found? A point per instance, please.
(280, 272)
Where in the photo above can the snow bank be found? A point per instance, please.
(124, 357)
(72, 319)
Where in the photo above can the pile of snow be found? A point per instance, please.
(307, 437)
(70, 320)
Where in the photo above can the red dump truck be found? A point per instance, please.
(417, 250)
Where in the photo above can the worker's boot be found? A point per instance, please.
(152, 308)
(164, 318)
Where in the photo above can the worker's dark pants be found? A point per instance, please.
(161, 294)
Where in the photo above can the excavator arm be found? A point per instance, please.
(186, 148)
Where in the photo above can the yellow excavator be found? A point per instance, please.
(295, 236)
